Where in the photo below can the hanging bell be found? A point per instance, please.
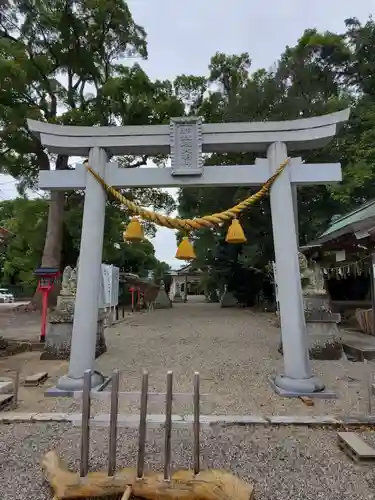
(235, 233)
(185, 250)
(134, 231)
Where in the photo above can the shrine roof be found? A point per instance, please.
(360, 219)
(188, 270)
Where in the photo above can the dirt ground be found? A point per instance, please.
(235, 351)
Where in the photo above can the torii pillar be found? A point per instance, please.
(185, 139)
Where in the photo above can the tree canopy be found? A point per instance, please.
(27, 220)
(322, 73)
(72, 62)
(60, 61)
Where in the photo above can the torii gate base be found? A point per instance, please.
(185, 139)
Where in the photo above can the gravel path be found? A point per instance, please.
(281, 463)
(235, 350)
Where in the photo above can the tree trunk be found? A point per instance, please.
(54, 234)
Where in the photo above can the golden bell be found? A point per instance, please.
(134, 231)
(235, 233)
(185, 250)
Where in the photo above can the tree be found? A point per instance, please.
(161, 272)
(322, 73)
(59, 62)
(51, 52)
(27, 220)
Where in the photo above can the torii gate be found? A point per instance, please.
(185, 139)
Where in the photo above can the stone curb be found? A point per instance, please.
(102, 420)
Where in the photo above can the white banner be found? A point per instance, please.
(115, 285)
(109, 286)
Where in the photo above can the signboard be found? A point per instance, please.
(340, 256)
(109, 289)
(115, 285)
(186, 146)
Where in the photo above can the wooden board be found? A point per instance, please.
(308, 401)
(153, 397)
(355, 447)
(5, 400)
(36, 379)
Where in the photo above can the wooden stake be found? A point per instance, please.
(368, 387)
(196, 422)
(16, 388)
(142, 426)
(113, 423)
(85, 432)
(168, 427)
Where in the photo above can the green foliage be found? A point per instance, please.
(322, 73)
(60, 62)
(161, 272)
(27, 220)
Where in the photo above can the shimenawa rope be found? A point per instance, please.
(190, 224)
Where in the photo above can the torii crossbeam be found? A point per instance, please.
(186, 139)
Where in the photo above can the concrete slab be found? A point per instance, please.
(358, 419)
(360, 349)
(303, 420)
(227, 420)
(6, 386)
(35, 379)
(132, 420)
(326, 394)
(54, 392)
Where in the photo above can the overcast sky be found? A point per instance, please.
(182, 36)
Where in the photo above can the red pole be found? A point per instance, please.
(44, 315)
(139, 297)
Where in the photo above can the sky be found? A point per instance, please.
(182, 37)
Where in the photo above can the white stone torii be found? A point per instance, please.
(186, 139)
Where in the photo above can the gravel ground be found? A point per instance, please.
(235, 350)
(282, 463)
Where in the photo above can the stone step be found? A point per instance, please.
(360, 350)
(6, 386)
(36, 379)
(355, 447)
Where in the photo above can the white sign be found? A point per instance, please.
(109, 286)
(340, 256)
(115, 285)
(186, 146)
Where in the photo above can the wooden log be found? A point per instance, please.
(184, 485)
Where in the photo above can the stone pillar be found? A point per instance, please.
(177, 293)
(297, 377)
(172, 289)
(162, 300)
(86, 312)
